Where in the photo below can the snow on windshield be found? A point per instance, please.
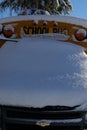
(36, 67)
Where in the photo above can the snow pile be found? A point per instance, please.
(82, 31)
(34, 11)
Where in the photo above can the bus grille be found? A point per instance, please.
(15, 118)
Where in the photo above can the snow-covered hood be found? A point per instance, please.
(39, 72)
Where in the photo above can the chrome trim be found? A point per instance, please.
(43, 123)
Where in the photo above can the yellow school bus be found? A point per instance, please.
(21, 26)
(43, 73)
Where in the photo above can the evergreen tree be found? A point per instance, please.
(64, 6)
(52, 6)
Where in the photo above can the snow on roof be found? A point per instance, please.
(67, 19)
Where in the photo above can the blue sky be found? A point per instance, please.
(79, 8)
